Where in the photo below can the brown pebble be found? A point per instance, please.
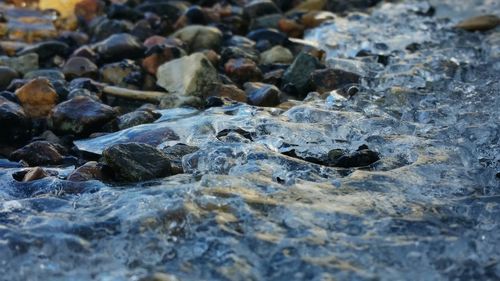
(37, 97)
(35, 174)
(479, 23)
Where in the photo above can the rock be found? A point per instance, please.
(340, 6)
(46, 49)
(479, 23)
(231, 92)
(137, 161)
(311, 5)
(273, 36)
(89, 171)
(242, 70)
(326, 80)
(260, 94)
(15, 124)
(199, 37)
(298, 74)
(258, 8)
(267, 21)
(136, 118)
(315, 18)
(175, 153)
(277, 54)
(37, 97)
(80, 116)
(192, 75)
(77, 67)
(361, 158)
(160, 54)
(7, 74)
(119, 46)
(21, 64)
(116, 73)
(51, 74)
(35, 174)
(273, 77)
(105, 28)
(39, 153)
(233, 52)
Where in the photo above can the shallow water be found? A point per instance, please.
(428, 210)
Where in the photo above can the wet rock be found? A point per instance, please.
(234, 52)
(35, 174)
(479, 23)
(315, 18)
(39, 153)
(105, 28)
(89, 171)
(273, 77)
(116, 73)
(258, 8)
(267, 21)
(361, 158)
(121, 11)
(136, 118)
(171, 9)
(37, 97)
(87, 10)
(119, 46)
(137, 161)
(199, 37)
(51, 74)
(260, 94)
(277, 54)
(7, 74)
(21, 64)
(46, 50)
(15, 124)
(242, 70)
(175, 153)
(326, 80)
(83, 93)
(297, 74)
(231, 92)
(273, 36)
(291, 27)
(160, 54)
(192, 75)
(339, 6)
(80, 116)
(77, 67)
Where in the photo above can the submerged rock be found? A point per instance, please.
(192, 75)
(39, 153)
(35, 174)
(80, 116)
(137, 161)
(175, 153)
(37, 97)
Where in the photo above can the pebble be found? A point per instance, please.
(39, 153)
(136, 118)
(89, 171)
(242, 70)
(160, 54)
(51, 74)
(326, 80)
(77, 67)
(46, 49)
(258, 8)
(16, 125)
(137, 162)
(37, 97)
(175, 153)
(35, 174)
(277, 54)
(7, 74)
(361, 158)
(192, 75)
(479, 23)
(231, 92)
(118, 72)
(260, 94)
(119, 46)
(298, 74)
(21, 64)
(80, 116)
(199, 37)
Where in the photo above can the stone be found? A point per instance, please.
(199, 37)
(361, 158)
(35, 174)
(273, 36)
(80, 116)
(51, 74)
(258, 8)
(116, 73)
(137, 161)
(77, 67)
(103, 28)
(7, 74)
(175, 153)
(136, 118)
(21, 64)
(160, 54)
(242, 70)
(14, 122)
(326, 80)
(89, 171)
(291, 27)
(191, 75)
(277, 54)
(119, 46)
(37, 97)
(39, 153)
(298, 74)
(260, 94)
(231, 92)
(313, 19)
(479, 23)
(340, 6)
(87, 10)
(267, 21)
(46, 49)
(273, 77)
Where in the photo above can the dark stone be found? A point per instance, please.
(273, 36)
(89, 171)
(15, 124)
(298, 75)
(46, 50)
(239, 52)
(105, 28)
(326, 80)
(137, 162)
(258, 8)
(242, 70)
(136, 118)
(260, 94)
(119, 46)
(39, 153)
(175, 153)
(339, 6)
(214, 102)
(77, 67)
(51, 74)
(7, 74)
(80, 116)
(172, 10)
(361, 158)
(123, 12)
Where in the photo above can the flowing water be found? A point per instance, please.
(428, 210)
